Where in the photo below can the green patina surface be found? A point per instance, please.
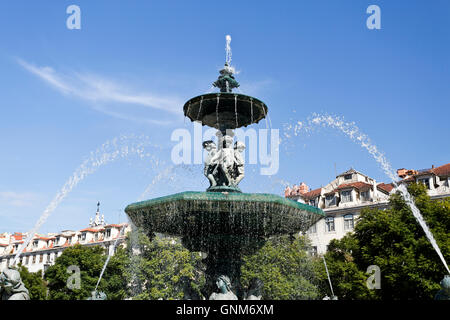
(202, 215)
(220, 196)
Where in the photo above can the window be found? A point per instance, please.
(348, 177)
(426, 182)
(365, 196)
(34, 258)
(330, 200)
(313, 228)
(96, 236)
(348, 222)
(346, 196)
(41, 258)
(69, 240)
(35, 244)
(313, 202)
(329, 223)
(108, 233)
(83, 236)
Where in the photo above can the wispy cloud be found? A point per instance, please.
(98, 89)
(16, 199)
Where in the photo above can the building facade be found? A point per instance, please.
(42, 250)
(343, 199)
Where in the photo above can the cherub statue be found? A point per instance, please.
(211, 148)
(12, 287)
(239, 147)
(224, 285)
(444, 293)
(254, 291)
(225, 160)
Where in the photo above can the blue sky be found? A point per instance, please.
(133, 64)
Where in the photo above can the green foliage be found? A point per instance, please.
(37, 287)
(348, 281)
(90, 260)
(285, 268)
(393, 240)
(159, 269)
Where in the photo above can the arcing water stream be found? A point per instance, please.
(111, 150)
(353, 132)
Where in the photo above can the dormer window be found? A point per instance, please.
(348, 177)
(365, 196)
(346, 196)
(108, 233)
(425, 181)
(330, 200)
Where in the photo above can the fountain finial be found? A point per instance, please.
(226, 81)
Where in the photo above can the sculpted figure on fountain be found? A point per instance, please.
(444, 293)
(224, 166)
(12, 287)
(224, 285)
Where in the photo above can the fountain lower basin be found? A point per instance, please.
(204, 218)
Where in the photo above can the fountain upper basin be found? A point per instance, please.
(225, 110)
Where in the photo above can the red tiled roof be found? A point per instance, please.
(113, 225)
(3, 245)
(44, 238)
(361, 186)
(442, 170)
(312, 194)
(385, 187)
(91, 230)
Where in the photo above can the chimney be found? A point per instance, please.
(432, 166)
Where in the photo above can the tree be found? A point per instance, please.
(90, 261)
(347, 279)
(37, 287)
(393, 240)
(285, 268)
(162, 268)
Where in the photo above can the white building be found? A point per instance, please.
(42, 250)
(343, 199)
